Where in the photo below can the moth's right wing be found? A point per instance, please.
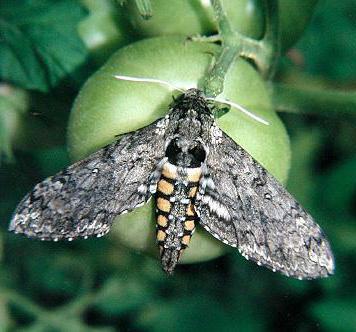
(84, 199)
(244, 206)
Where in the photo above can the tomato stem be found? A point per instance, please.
(144, 7)
(263, 52)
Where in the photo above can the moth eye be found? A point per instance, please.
(192, 158)
(199, 153)
(172, 150)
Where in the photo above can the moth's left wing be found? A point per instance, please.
(244, 206)
(84, 199)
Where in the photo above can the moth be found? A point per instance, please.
(197, 175)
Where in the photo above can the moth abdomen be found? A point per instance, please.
(176, 216)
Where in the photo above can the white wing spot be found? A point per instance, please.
(216, 207)
(142, 189)
(215, 134)
(216, 235)
(153, 188)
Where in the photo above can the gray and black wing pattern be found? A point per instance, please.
(244, 206)
(83, 199)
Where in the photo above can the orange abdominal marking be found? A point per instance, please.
(193, 192)
(165, 187)
(186, 239)
(162, 221)
(169, 171)
(189, 225)
(163, 204)
(190, 210)
(161, 235)
(194, 174)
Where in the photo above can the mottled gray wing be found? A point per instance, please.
(83, 199)
(244, 206)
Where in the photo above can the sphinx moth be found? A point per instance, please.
(197, 175)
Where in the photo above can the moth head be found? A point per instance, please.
(194, 96)
(193, 102)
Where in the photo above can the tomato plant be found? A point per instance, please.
(197, 17)
(107, 107)
(246, 16)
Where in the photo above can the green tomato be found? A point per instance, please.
(106, 107)
(246, 16)
(197, 17)
(294, 17)
(104, 30)
(20, 129)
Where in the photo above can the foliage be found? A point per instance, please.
(97, 284)
(37, 49)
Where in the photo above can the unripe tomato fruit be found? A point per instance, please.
(192, 17)
(294, 16)
(106, 107)
(104, 30)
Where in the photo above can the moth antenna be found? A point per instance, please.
(240, 108)
(148, 80)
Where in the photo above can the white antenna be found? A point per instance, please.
(173, 87)
(149, 80)
(241, 108)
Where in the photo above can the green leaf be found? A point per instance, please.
(120, 295)
(329, 46)
(4, 315)
(337, 314)
(13, 103)
(200, 313)
(39, 44)
(340, 202)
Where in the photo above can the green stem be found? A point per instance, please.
(214, 83)
(293, 99)
(263, 52)
(224, 26)
(144, 7)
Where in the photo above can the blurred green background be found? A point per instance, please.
(98, 285)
